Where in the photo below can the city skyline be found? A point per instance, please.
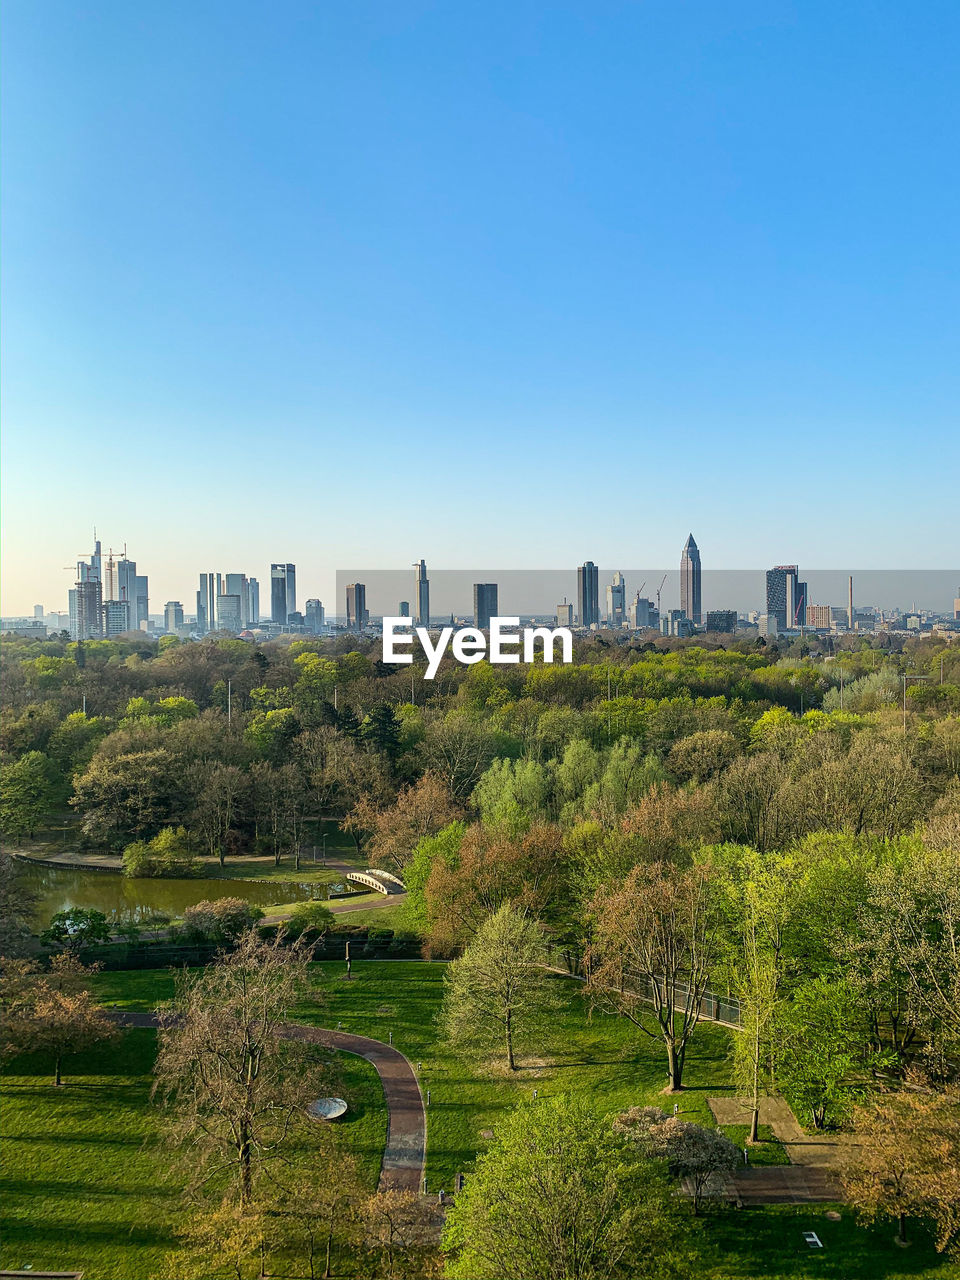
(477, 265)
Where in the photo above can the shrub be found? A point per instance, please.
(169, 853)
(222, 920)
(310, 918)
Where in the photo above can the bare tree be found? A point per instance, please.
(51, 1013)
(234, 1086)
(654, 942)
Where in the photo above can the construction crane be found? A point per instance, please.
(640, 588)
(659, 589)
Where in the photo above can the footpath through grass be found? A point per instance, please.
(610, 1064)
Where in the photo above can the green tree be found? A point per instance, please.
(559, 1196)
(75, 929)
(27, 794)
(169, 853)
(820, 1053)
(17, 905)
(497, 995)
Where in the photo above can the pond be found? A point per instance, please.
(121, 899)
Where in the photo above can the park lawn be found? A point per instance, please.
(766, 1151)
(767, 1244)
(88, 1183)
(602, 1058)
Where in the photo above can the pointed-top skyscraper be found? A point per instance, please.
(690, 598)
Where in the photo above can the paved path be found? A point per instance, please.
(405, 1152)
(810, 1178)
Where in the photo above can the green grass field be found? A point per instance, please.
(88, 1183)
(88, 1188)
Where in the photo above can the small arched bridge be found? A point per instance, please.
(383, 881)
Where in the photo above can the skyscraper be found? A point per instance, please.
(690, 575)
(89, 609)
(314, 616)
(485, 595)
(357, 615)
(403, 609)
(588, 594)
(228, 613)
(207, 603)
(173, 616)
(782, 595)
(617, 601)
(423, 594)
(86, 599)
(253, 591)
(283, 592)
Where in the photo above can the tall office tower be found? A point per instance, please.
(116, 617)
(565, 616)
(237, 584)
(89, 609)
(283, 592)
(314, 616)
(228, 613)
(357, 615)
(38, 611)
(797, 605)
(172, 616)
(423, 594)
(588, 594)
(253, 593)
(617, 601)
(781, 595)
(485, 606)
(642, 613)
(141, 602)
(956, 606)
(403, 609)
(690, 578)
(851, 616)
(207, 603)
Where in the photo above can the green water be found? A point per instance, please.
(60, 888)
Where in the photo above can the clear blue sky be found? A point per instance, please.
(490, 283)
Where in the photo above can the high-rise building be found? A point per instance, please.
(588, 594)
(819, 616)
(690, 581)
(797, 605)
(357, 616)
(38, 611)
(88, 601)
(565, 615)
(721, 619)
(253, 593)
(173, 616)
(642, 614)
(485, 606)
(116, 617)
(423, 594)
(86, 614)
(236, 584)
(283, 592)
(228, 613)
(403, 609)
(782, 596)
(956, 606)
(617, 601)
(207, 603)
(141, 602)
(314, 617)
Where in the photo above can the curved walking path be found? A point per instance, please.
(405, 1151)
